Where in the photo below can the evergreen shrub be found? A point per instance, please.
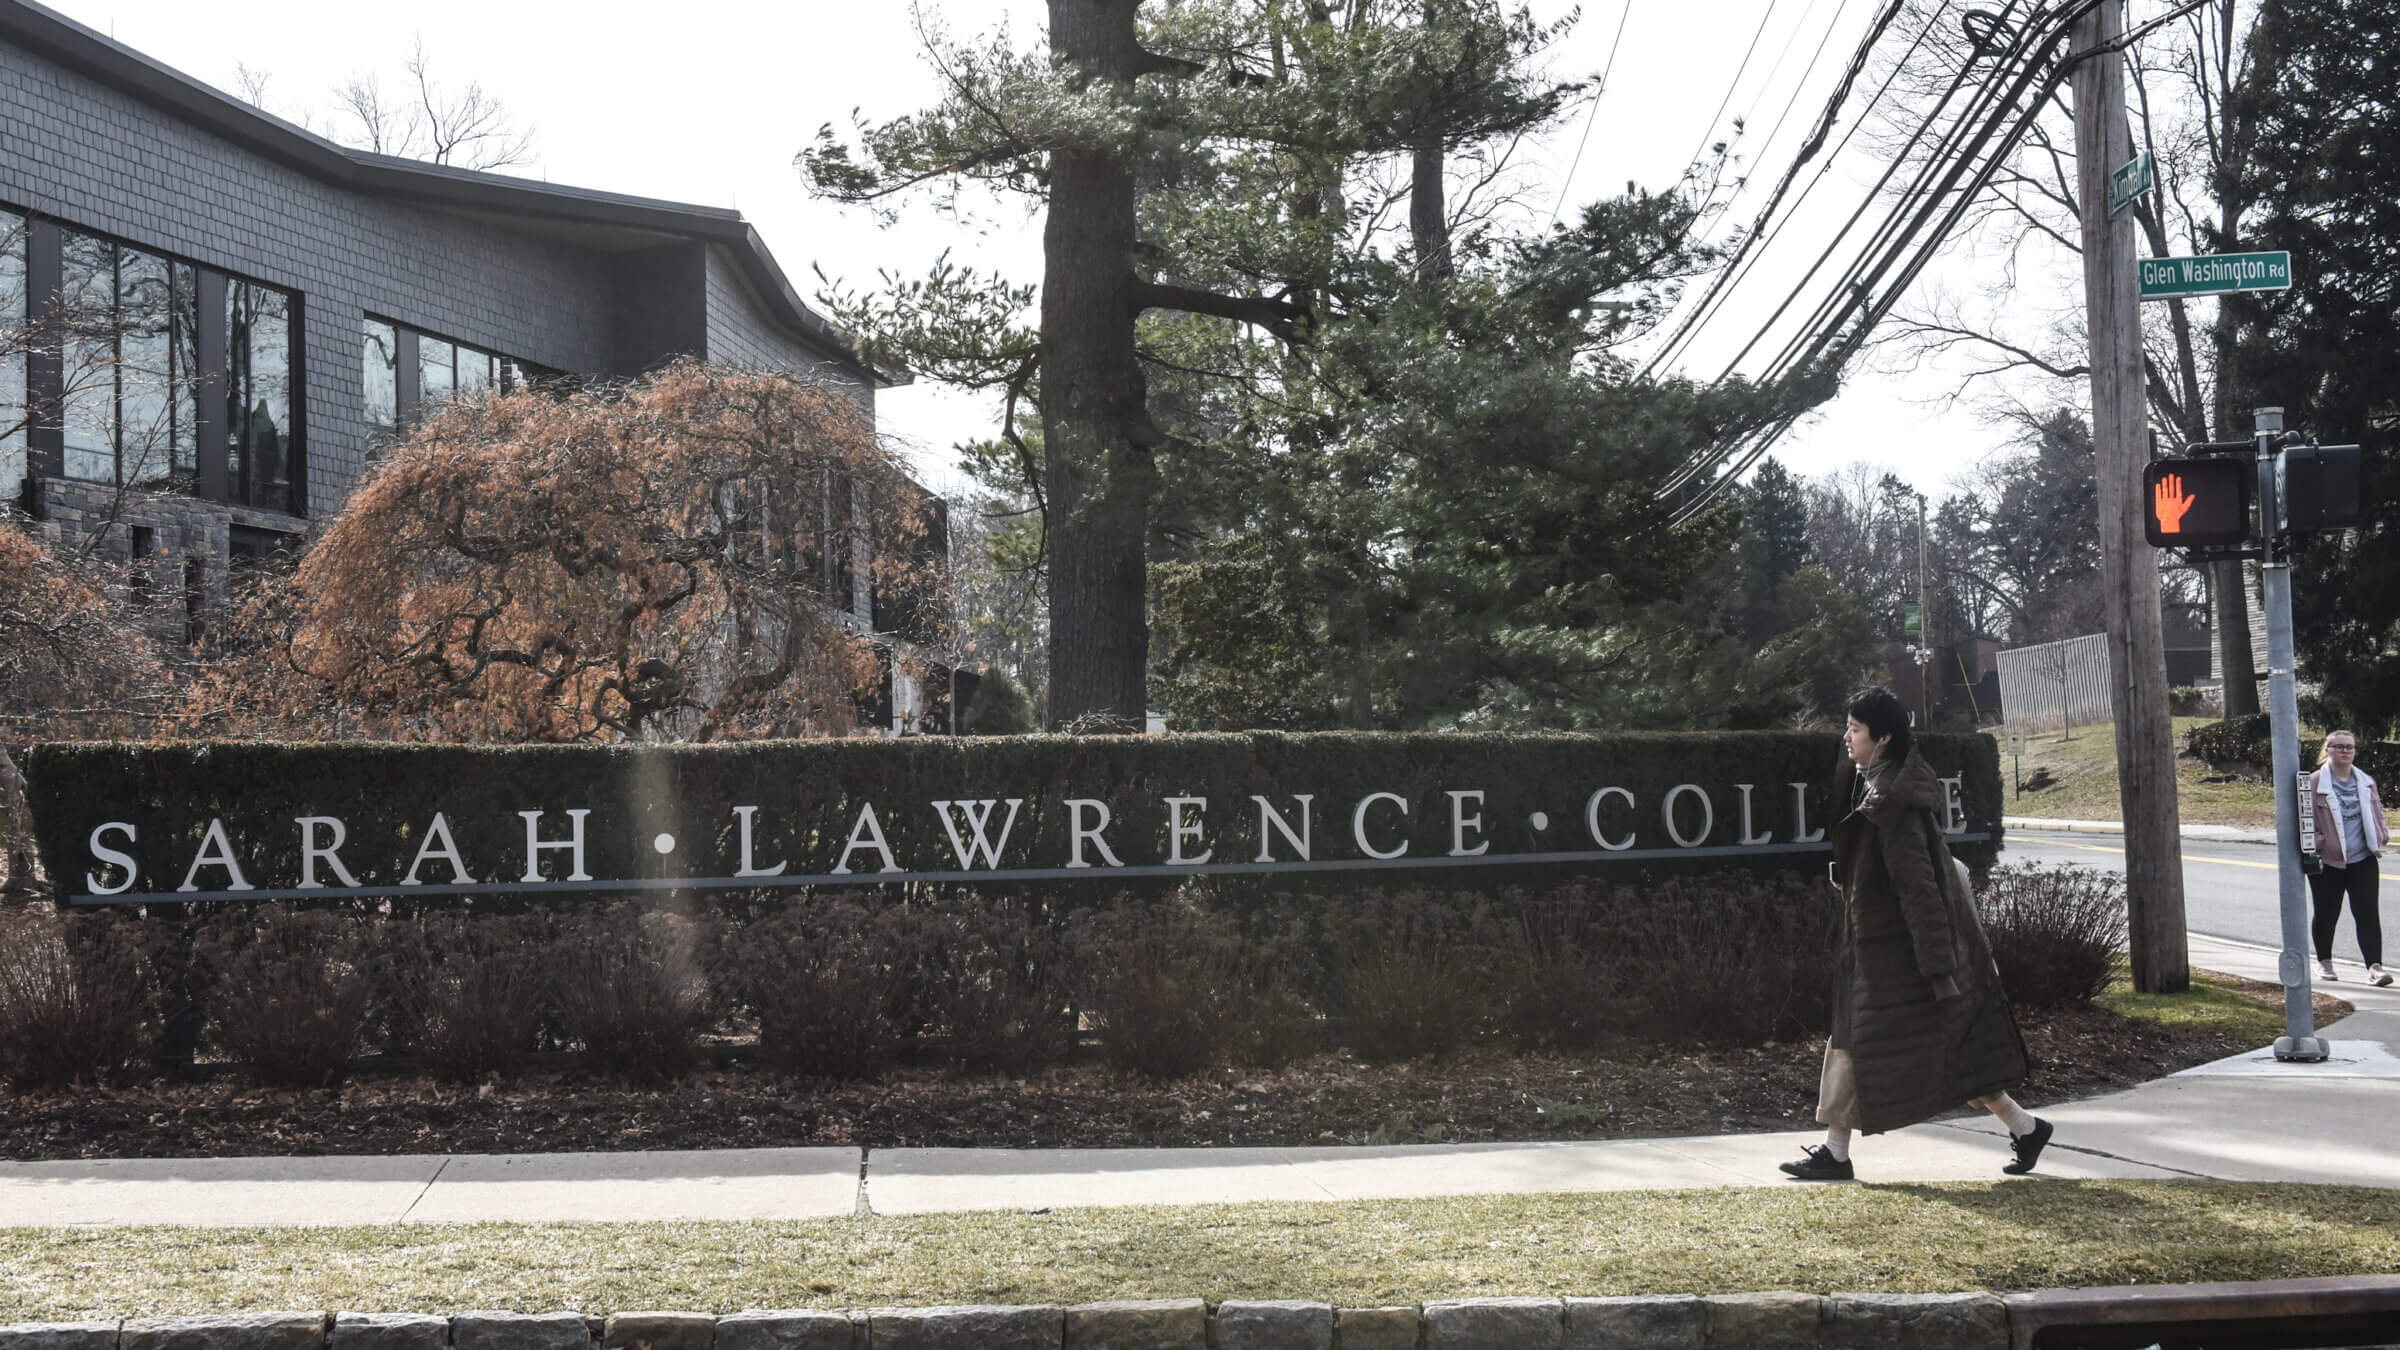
(2246, 745)
(2234, 745)
(999, 707)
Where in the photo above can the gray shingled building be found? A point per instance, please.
(262, 306)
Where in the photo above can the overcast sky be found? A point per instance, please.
(706, 101)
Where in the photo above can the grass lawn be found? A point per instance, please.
(1920, 1238)
(1899, 1238)
(2246, 1010)
(2083, 773)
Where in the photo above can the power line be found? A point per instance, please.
(1755, 244)
(1727, 101)
(1568, 183)
(1891, 221)
(1983, 114)
(1760, 443)
(1864, 309)
(1765, 84)
(1802, 82)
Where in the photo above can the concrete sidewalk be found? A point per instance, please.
(2248, 1118)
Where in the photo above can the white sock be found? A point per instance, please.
(2015, 1117)
(1837, 1142)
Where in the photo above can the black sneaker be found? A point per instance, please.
(1818, 1164)
(2028, 1148)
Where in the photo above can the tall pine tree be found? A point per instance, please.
(2328, 350)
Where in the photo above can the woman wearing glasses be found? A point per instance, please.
(2350, 833)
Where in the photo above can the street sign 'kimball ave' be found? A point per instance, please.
(2165, 277)
(2130, 182)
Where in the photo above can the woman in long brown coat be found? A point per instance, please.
(1920, 1024)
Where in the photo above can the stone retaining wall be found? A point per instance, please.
(1765, 1321)
(2358, 1310)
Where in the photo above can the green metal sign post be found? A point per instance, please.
(2165, 278)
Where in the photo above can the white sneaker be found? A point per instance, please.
(2325, 972)
(2381, 977)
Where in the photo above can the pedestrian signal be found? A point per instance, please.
(2197, 503)
(2323, 488)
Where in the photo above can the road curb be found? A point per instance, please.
(2365, 1307)
(2219, 834)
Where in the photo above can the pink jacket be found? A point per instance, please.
(2370, 811)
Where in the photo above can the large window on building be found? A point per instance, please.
(382, 387)
(128, 339)
(262, 443)
(410, 373)
(448, 370)
(128, 394)
(15, 320)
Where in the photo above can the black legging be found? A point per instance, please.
(2360, 880)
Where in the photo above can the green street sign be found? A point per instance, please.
(2162, 278)
(2129, 182)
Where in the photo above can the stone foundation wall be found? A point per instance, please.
(182, 529)
(2361, 1311)
(1765, 1321)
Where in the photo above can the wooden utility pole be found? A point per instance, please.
(2160, 957)
(1926, 674)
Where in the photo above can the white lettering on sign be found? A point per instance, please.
(1358, 824)
(1077, 834)
(1750, 837)
(1801, 834)
(1178, 830)
(1954, 811)
(1591, 819)
(867, 833)
(311, 853)
(448, 852)
(979, 816)
(222, 856)
(979, 833)
(1268, 817)
(109, 857)
(1708, 815)
(1460, 823)
(750, 867)
(536, 846)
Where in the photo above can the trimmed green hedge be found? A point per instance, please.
(811, 798)
(2246, 745)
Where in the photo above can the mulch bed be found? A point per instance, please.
(1479, 1095)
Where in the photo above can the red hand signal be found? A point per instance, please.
(2170, 503)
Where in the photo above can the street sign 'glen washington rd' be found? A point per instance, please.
(2165, 277)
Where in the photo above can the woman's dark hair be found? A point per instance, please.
(1880, 711)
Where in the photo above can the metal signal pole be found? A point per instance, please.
(2157, 947)
(2299, 1041)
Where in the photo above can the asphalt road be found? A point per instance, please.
(2229, 890)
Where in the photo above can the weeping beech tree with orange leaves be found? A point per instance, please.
(671, 559)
